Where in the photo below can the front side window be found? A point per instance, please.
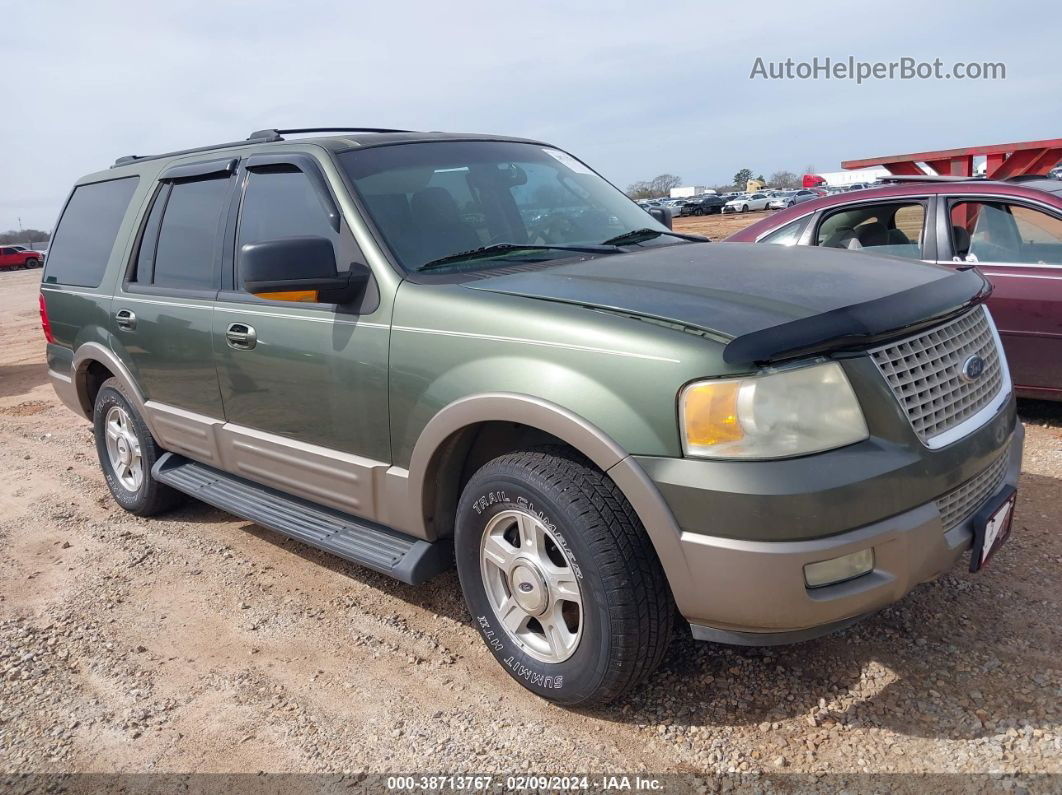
(189, 233)
(1002, 232)
(84, 238)
(281, 201)
(895, 229)
(437, 199)
(787, 235)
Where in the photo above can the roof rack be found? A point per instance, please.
(257, 137)
(927, 178)
(277, 135)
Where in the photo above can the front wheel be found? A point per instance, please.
(560, 577)
(744, 208)
(33, 263)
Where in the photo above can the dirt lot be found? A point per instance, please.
(200, 642)
(717, 226)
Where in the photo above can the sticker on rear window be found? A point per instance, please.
(568, 160)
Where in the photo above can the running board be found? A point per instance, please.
(411, 560)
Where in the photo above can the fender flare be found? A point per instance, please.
(91, 352)
(588, 439)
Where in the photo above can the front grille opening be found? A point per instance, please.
(925, 373)
(961, 503)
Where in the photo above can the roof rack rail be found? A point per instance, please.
(276, 134)
(928, 178)
(260, 137)
(257, 137)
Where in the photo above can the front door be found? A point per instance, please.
(1018, 247)
(304, 384)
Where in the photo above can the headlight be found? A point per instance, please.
(775, 415)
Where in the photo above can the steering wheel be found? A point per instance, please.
(558, 228)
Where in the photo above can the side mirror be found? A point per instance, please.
(662, 214)
(299, 269)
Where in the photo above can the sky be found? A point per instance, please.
(633, 88)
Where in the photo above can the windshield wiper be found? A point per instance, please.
(638, 235)
(501, 248)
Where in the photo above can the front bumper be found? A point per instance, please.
(752, 592)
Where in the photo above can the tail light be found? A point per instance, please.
(45, 325)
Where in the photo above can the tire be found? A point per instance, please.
(698, 211)
(115, 414)
(744, 208)
(33, 263)
(589, 544)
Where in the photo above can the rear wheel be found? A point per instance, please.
(127, 452)
(560, 577)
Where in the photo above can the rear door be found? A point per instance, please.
(1018, 247)
(162, 310)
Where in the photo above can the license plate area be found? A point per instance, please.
(991, 526)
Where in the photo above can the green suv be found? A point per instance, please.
(416, 350)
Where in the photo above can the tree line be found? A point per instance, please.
(23, 237)
(662, 184)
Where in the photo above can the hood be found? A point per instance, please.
(769, 301)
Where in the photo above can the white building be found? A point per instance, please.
(686, 191)
(838, 179)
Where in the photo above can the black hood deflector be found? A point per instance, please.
(862, 324)
(767, 302)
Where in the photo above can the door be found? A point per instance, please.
(1018, 247)
(161, 313)
(304, 384)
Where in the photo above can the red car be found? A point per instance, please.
(12, 257)
(1012, 230)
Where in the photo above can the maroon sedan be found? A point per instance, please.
(1012, 230)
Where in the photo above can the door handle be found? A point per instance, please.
(241, 336)
(125, 319)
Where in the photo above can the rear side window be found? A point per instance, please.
(85, 235)
(188, 235)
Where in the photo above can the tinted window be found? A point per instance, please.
(85, 235)
(188, 237)
(146, 256)
(282, 202)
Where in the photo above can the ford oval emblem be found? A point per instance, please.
(972, 368)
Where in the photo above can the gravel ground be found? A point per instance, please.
(201, 642)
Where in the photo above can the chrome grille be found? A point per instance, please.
(924, 372)
(961, 503)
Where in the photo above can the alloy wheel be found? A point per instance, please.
(532, 586)
(123, 448)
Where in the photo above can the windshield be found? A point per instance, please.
(433, 200)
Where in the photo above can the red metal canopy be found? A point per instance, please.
(1003, 160)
